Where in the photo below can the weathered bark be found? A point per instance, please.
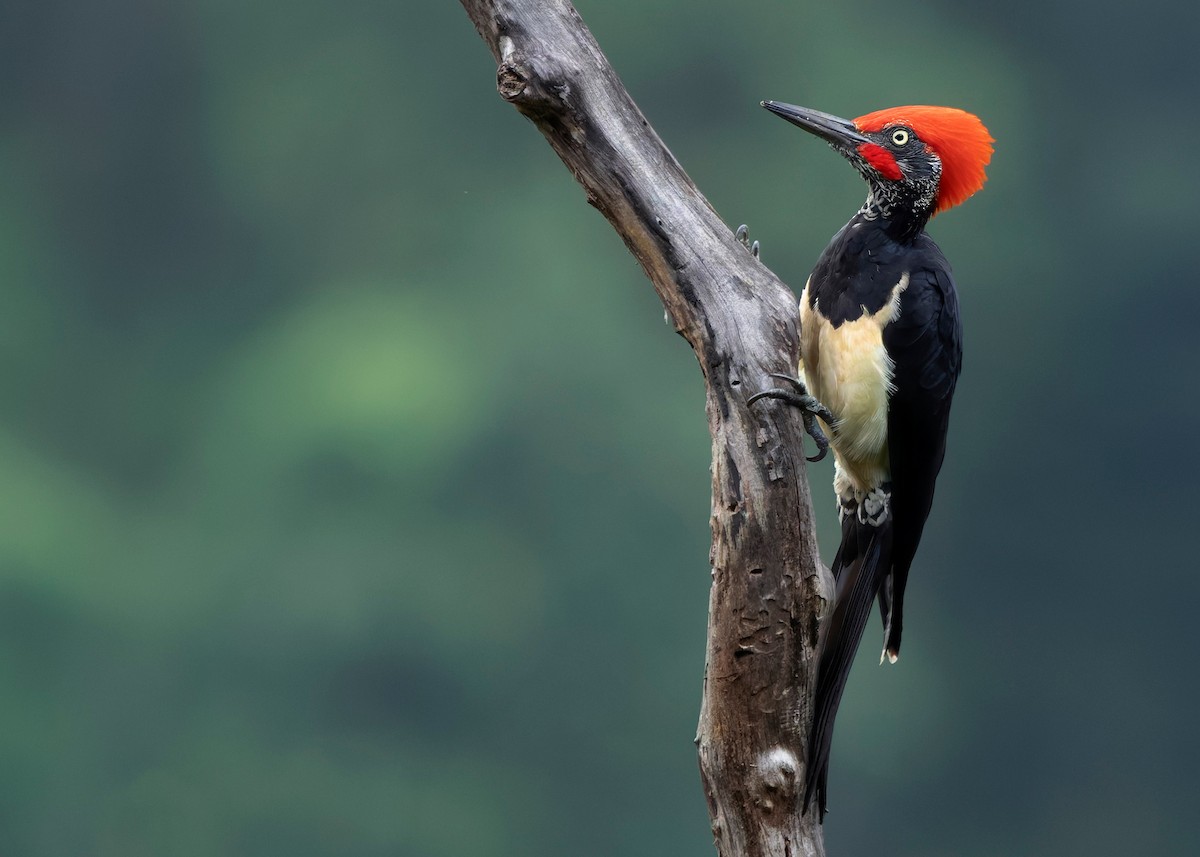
(767, 578)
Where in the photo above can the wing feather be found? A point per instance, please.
(925, 343)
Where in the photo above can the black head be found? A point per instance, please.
(918, 160)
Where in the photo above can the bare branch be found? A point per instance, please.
(767, 579)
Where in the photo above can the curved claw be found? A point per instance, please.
(808, 403)
(818, 436)
(777, 393)
(791, 379)
(810, 410)
(743, 236)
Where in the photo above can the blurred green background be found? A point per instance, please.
(354, 495)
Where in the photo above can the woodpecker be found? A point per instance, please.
(880, 350)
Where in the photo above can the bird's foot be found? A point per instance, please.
(810, 410)
(743, 237)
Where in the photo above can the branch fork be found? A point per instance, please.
(768, 584)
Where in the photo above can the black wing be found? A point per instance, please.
(925, 344)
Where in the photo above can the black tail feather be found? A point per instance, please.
(894, 622)
(862, 563)
(885, 603)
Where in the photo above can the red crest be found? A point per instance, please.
(957, 137)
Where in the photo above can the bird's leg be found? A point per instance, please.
(743, 237)
(809, 407)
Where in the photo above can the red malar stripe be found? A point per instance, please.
(881, 159)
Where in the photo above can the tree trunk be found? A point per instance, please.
(768, 584)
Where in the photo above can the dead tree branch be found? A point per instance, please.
(740, 320)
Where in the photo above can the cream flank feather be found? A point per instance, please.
(838, 372)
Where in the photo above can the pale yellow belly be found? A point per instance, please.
(848, 369)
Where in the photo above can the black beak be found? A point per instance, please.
(839, 133)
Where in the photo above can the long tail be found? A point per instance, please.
(862, 563)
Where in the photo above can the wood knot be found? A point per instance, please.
(511, 80)
(775, 782)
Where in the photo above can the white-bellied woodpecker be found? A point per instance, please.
(880, 350)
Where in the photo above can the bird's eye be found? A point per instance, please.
(900, 137)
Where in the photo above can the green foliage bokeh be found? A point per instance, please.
(354, 495)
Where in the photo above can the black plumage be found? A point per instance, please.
(881, 349)
(924, 344)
